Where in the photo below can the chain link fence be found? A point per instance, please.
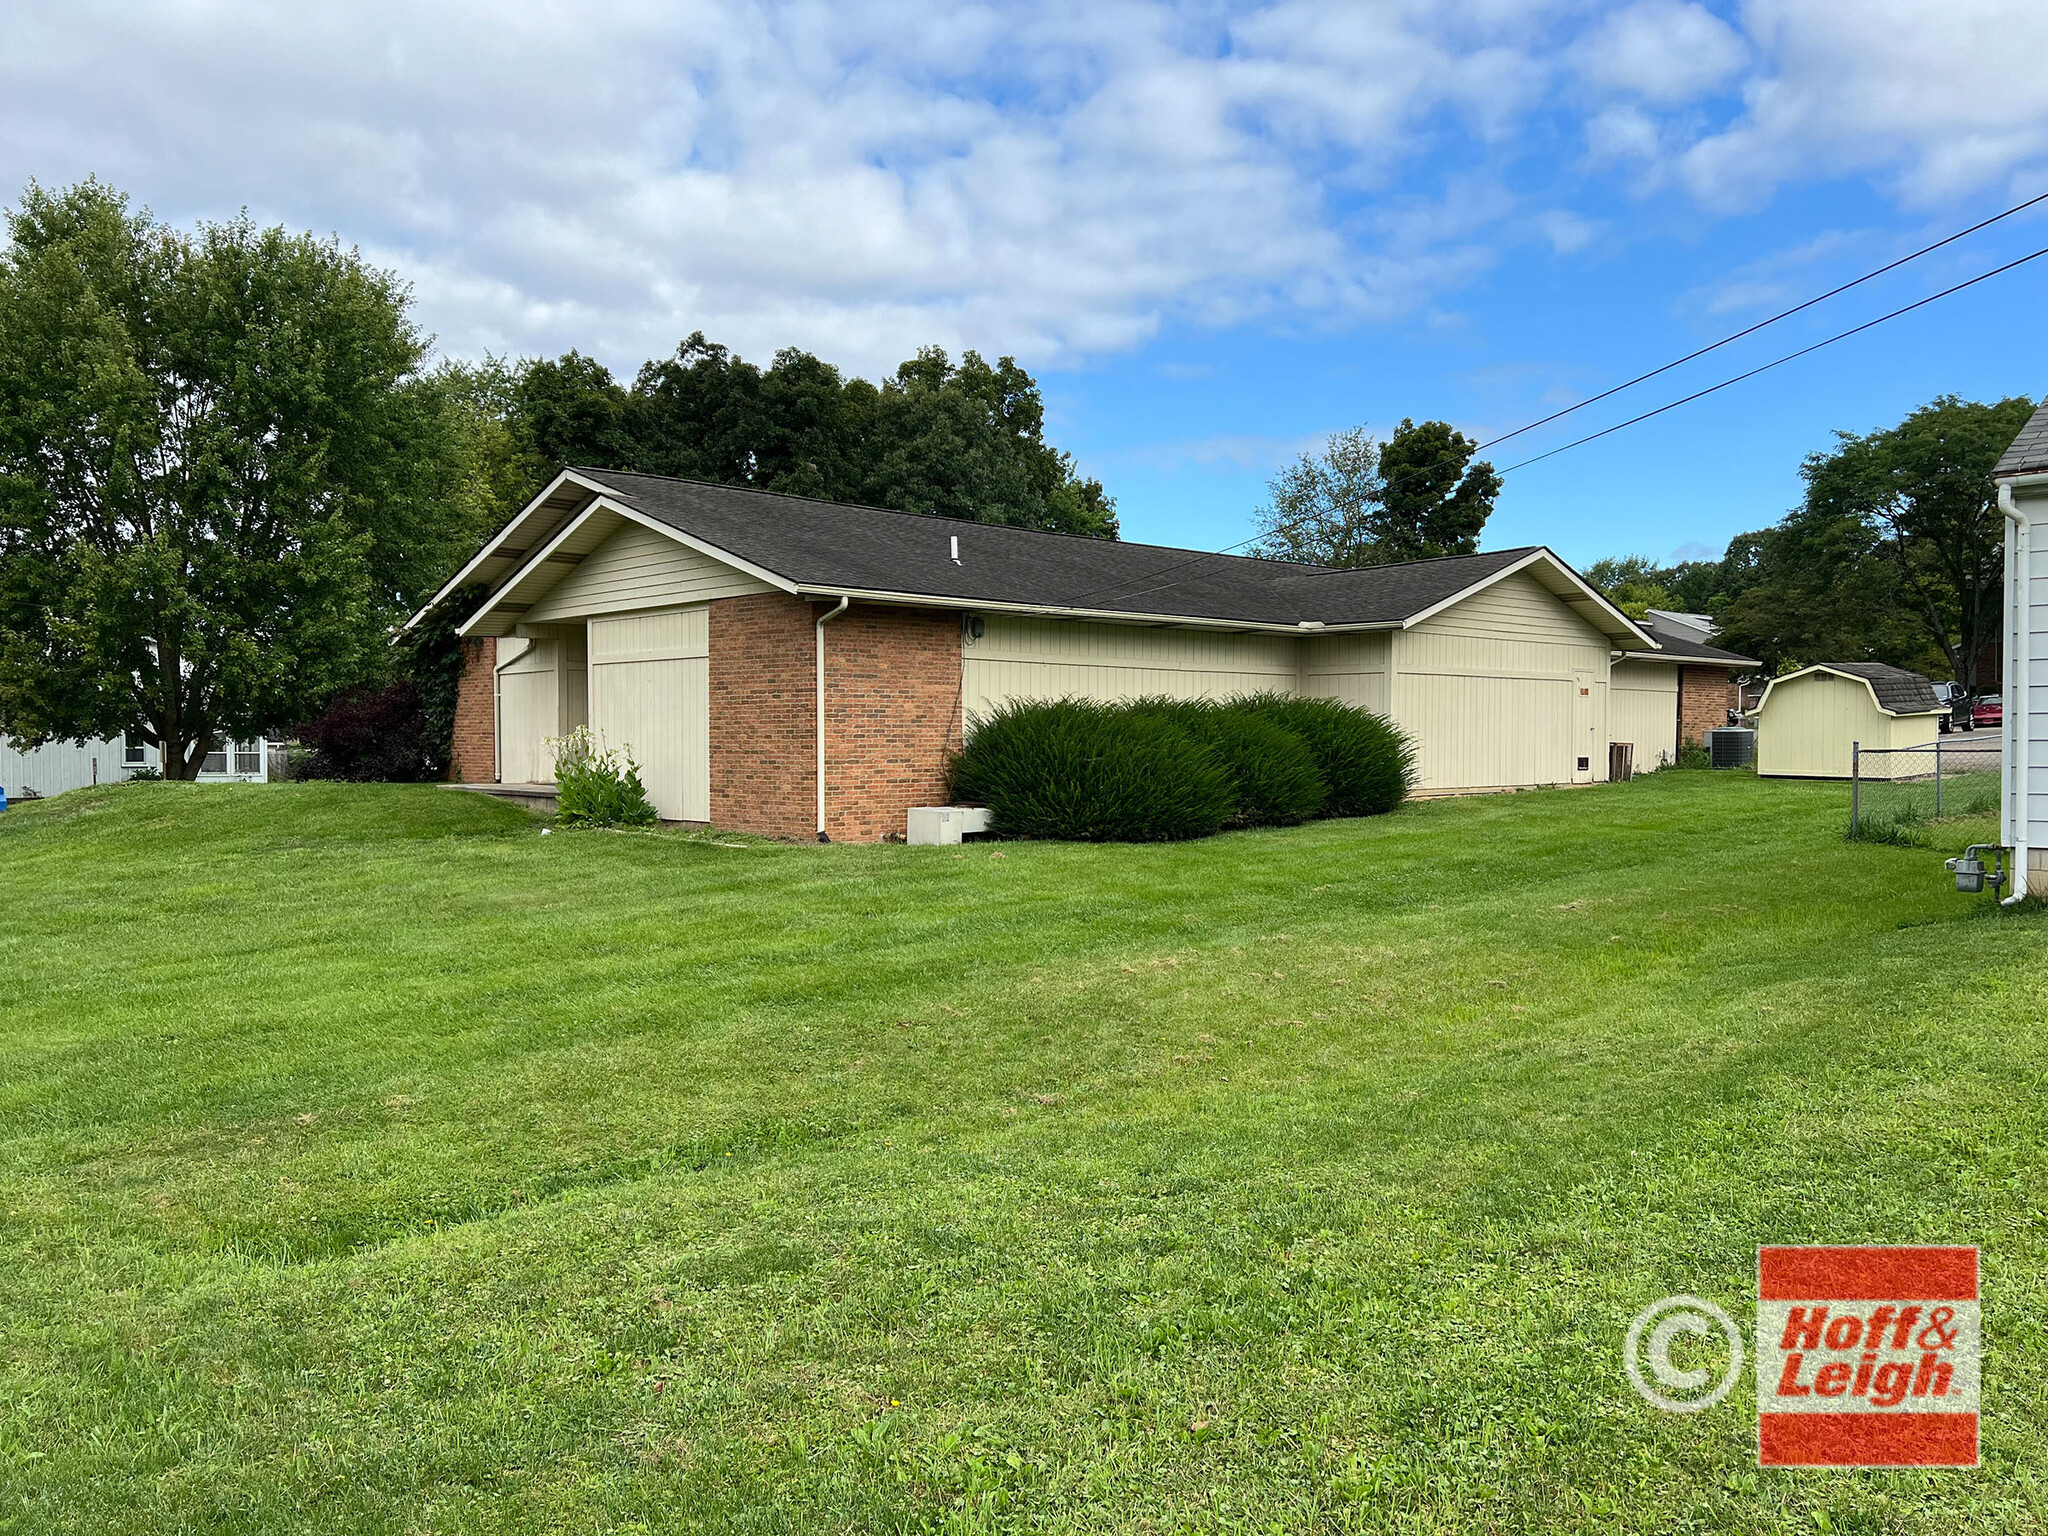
(1895, 790)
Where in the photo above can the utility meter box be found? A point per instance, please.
(942, 825)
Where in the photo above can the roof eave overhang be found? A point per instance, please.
(1579, 594)
(2017, 478)
(517, 524)
(606, 503)
(1059, 611)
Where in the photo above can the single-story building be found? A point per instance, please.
(60, 766)
(1669, 698)
(797, 667)
(2021, 476)
(1811, 721)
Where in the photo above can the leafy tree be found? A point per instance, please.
(963, 441)
(1361, 502)
(1631, 583)
(1436, 500)
(222, 473)
(1923, 491)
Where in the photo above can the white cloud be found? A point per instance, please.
(1939, 99)
(1059, 180)
(1662, 50)
(857, 178)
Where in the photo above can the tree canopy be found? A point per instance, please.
(1895, 554)
(222, 474)
(1363, 502)
(963, 440)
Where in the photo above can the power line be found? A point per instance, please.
(1853, 330)
(1784, 314)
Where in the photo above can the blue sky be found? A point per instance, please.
(1216, 232)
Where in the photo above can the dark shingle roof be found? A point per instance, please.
(1900, 691)
(831, 544)
(2029, 451)
(1679, 645)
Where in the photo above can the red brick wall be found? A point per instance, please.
(762, 713)
(1705, 695)
(892, 711)
(475, 758)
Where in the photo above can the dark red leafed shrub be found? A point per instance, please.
(372, 735)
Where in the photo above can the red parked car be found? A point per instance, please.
(1988, 712)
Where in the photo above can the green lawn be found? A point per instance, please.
(370, 1162)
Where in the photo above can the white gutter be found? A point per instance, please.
(824, 619)
(2015, 726)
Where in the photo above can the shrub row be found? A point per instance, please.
(1159, 769)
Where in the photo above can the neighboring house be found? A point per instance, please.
(2022, 480)
(1811, 721)
(720, 632)
(1667, 699)
(63, 765)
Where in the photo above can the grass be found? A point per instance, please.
(370, 1162)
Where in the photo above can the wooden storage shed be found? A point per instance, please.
(1810, 721)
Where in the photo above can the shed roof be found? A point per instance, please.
(1897, 691)
(2029, 451)
(810, 546)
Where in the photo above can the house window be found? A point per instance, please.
(249, 759)
(214, 762)
(134, 755)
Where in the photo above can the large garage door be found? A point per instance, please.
(1487, 732)
(650, 694)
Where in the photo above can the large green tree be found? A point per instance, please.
(962, 440)
(1923, 490)
(1363, 502)
(222, 473)
(1896, 553)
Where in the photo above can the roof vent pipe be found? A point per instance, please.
(823, 619)
(956, 548)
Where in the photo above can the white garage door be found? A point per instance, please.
(650, 694)
(1488, 732)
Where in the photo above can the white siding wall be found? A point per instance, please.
(62, 766)
(1491, 691)
(1023, 658)
(2026, 699)
(639, 568)
(543, 692)
(1350, 668)
(650, 693)
(1642, 707)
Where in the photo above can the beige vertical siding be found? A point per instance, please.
(1351, 668)
(1642, 708)
(529, 712)
(639, 568)
(650, 695)
(1808, 724)
(1023, 658)
(1489, 690)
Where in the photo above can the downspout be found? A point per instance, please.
(824, 619)
(2014, 726)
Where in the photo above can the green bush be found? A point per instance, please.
(1367, 765)
(1077, 770)
(596, 788)
(1273, 776)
